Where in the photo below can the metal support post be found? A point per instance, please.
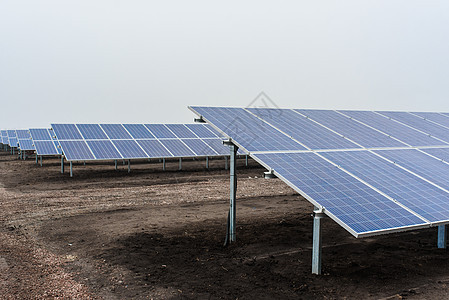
(207, 162)
(116, 164)
(37, 157)
(442, 236)
(230, 232)
(62, 164)
(226, 162)
(163, 164)
(316, 250)
(71, 169)
(129, 165)
(246, 160)
(180, 163)
(41, 160)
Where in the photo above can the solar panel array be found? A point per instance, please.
(4, 137)
(82, 142)
(44, 143)
(372, 172)
(24, 140)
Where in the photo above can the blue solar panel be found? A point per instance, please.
(154, 148)
(13, 142)
(201, 130)
(177, 148)
(4, 140)
(441, 153)
(103, 149)
(76, 150)
(138, 131)
(160, 131)
(422, 164)
(129, 149)
(11, 133)
(434, 117)
(26, 144)
(351, 202)
(409, 190)
(40, 134)
(405, 134)
(199, 147)
(217, 145)
(180, 131)
(23, 134)
(250, 132)
(302, 129)
(45, 148)
(66, 132)
(426, 126)
(116, 131)
(58, 147)
(351, 129)
(92, 132)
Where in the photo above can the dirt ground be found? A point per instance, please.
(153, 234)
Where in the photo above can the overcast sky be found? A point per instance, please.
(146, 61)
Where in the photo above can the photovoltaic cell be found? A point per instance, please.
(40, 134)
(154, 148)
(418, 123)
(138, 131)
(199, 147)
(58, 147)
(217, 145)
(180, 131)
(45, 148)
(420, 163)
(13, 142)
(202, 131)
(26, 144)
(23, 134)
(406, 134)
(92, 132)
(160, 131)
(103, 149)
(251, 133)
(66, 132)
(409, 190)
(129, 149)
(350, 201)
(177, 148)
(116, 131)
(434, 117)
(441, 153)
(76, 150)
(302, 129)
(351, 129)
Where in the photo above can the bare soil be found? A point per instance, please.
(153, 234)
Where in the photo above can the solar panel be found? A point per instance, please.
(58, 147)
(202, 130)
(116, 131)
(13, 142)
(92, 132)
(66, 132)
(420, 163)
(40, 134)
(154, 148)
(351, 129)
(199, 147)
(23, 134)
(404, 133)
(425, 126)
(76, 150)
(416, 194)
(441, 153)
(45, 148)
(434, 117)
(138, 131)
(309, 133)
(129, 149)
(26, 144)
(356, 206)
(103, 149)
(217, 145)
(160, 131)
(177, 148)
(250, 132)
(181, 131)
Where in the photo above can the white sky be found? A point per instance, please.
(145, 61)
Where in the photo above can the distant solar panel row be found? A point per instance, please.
(44, 142)
(134, 141)
(374, 183)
